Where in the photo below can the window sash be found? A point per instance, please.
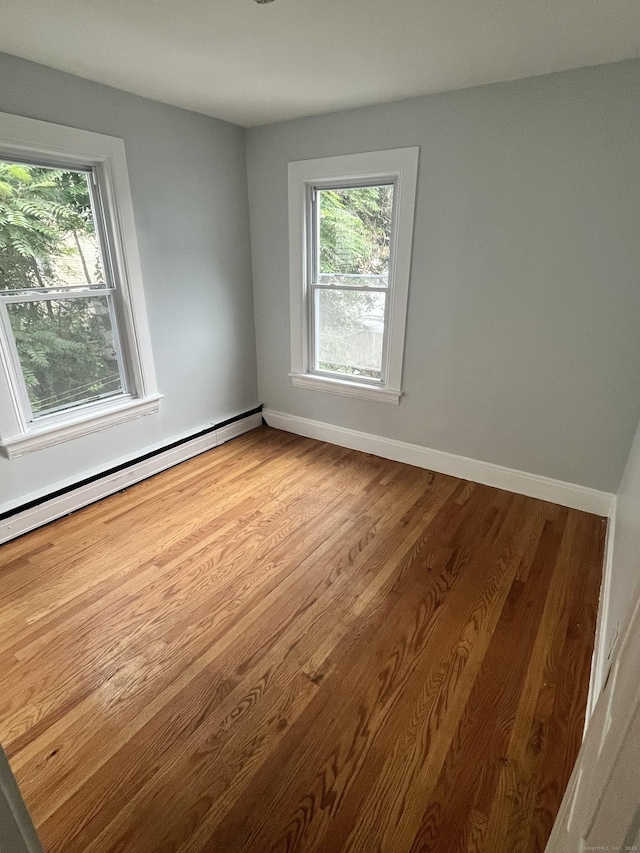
(352, 276)
(335, 374)
(313, 249)
(314, 359)
(106, 289)
(353, 288)
(20, 385)
(313, 273)
(55, 294)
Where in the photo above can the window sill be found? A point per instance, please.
(48, 435)
(345, 388)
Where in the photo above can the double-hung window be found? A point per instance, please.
(74, 345)
(350, 228)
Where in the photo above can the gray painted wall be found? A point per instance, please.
(188, 181)
(522, 343)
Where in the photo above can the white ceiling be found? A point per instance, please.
(253, 64)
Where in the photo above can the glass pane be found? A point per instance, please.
(67, 351)
(349, 332)
(48, 232)
(355, 235)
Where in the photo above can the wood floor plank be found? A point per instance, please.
(470, 775)
(286, 646)
(272, 623)
(101, 652)
(566, 721)
(419, 732)
(290, 646)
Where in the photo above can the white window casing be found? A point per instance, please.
(51, 144)
(396, 166)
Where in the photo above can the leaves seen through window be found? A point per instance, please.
(66, 343)
(352, 279)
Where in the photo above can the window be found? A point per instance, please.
(74, 347)
(350, 230)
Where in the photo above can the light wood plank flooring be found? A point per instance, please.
(283, 645)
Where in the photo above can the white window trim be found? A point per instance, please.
(45, 142)
(400, 166)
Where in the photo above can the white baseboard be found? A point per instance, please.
(49, 510)
(509, 479)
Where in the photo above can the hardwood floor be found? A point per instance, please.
(282, 645)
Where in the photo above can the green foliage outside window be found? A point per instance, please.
(355, 234)
(355, 230)
(47, 230)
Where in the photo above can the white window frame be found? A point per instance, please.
(399, 167)
(51, 144)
